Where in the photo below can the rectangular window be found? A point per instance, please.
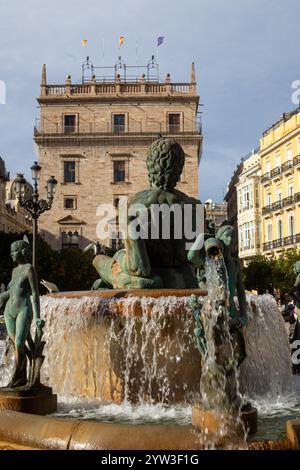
(119, 171)
(291, 190)
(289, 154)
(70, 202)
(70, 172)
(174, 123)
(246, 197)
(118, 123)
(268, 199)
(279, 195)
(269, 232)
(70, 239)
(246, 235)
(277, 160)
(69, 123)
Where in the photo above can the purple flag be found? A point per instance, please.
(160, 40)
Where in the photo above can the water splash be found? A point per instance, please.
(219, 385)
(267, 371)
(134, 349)
(97, 348)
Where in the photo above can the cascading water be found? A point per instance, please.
(143, 350)
(219, 383)
(144, 354)
(266, 372)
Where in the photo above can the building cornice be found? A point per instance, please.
(279, 142)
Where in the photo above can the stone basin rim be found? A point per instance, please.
(118, 293)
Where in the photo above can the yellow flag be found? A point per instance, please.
(121, 40)
(84, 42)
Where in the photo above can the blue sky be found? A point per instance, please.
(246, 55)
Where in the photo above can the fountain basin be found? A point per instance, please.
(116, 345)
(139, 346)
(53, 433)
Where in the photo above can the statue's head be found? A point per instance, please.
(165, 161)
(225, 234)
(297, 267)
(20, 251)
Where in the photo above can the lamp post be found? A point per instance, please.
(34, 205)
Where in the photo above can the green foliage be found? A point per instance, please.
(264, 274)
(69, 269)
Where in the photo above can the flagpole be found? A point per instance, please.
(103, 48)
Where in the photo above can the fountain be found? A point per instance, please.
(126, 354)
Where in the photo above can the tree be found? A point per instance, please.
(265, 274)
(258, 275)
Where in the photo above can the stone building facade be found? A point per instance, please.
(93, 137)
(13, 219)
(249, 207)
(216, 212)
(232, 208)
(280, 185)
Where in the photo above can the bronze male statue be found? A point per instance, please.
(154, 262)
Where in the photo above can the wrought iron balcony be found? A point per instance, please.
(267, 209)
(266, 177)
(281, 242)
(287, 165)
(296, 160)
(276, 206)
(275, 172)
(288, 201)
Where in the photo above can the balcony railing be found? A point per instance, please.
(267, 209)
(118, 88)
(266, 177)
(286, 202)
(287, 165)
(296, 160)
(281, 169)
(275, 172)
(282, 242)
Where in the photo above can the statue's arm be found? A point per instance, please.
(136, 261)
(241, 295)
(3, 299)
(32, 277)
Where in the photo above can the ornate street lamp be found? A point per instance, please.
(34, 205)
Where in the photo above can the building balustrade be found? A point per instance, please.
(116, 87)
(281, 169)
(115, 129)
(266, 177)
(286, 202)
(282, 242)
(296, 160)
(287, 165)
(275, 172)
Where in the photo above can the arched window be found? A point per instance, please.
(279, 229)
(291, 225)
(269, 232)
